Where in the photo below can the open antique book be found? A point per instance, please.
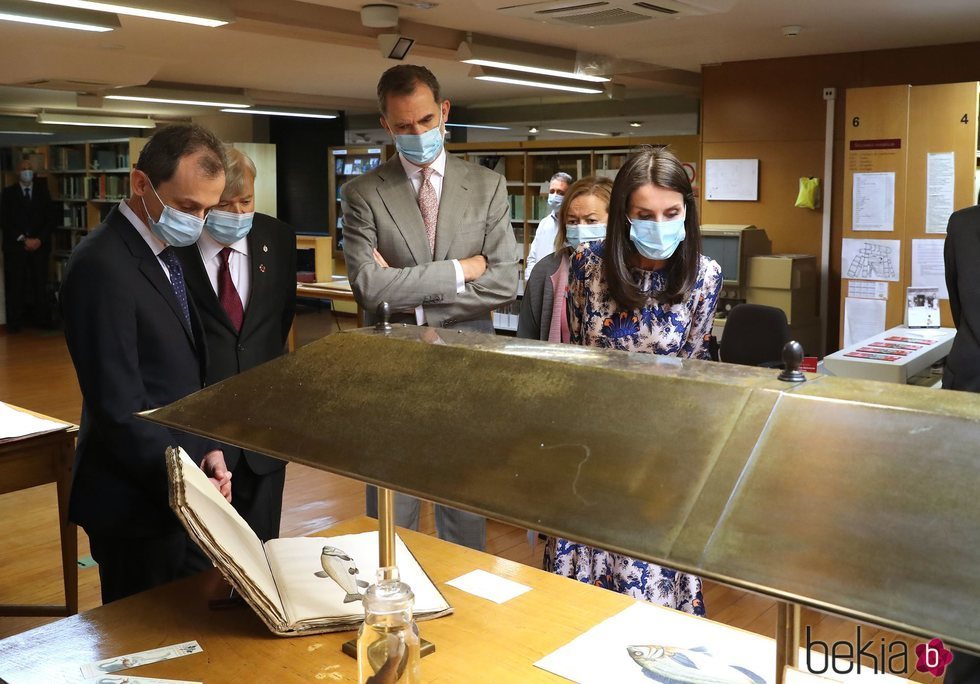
(285, 580)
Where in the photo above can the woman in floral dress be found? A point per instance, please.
(645, 288)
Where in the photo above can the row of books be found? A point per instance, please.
(355, 167)
(103, 186)
(62, 158)
(74, 215)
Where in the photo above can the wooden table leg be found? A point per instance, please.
(69, 533)
(291, 338)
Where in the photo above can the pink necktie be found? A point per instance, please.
(227, 294)
(429, 206)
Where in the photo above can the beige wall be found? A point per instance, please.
(773, 110)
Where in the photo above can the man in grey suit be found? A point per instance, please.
(429, 234)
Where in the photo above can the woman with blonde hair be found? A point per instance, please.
(581, 218)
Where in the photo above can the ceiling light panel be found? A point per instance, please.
(532, 59)
(86, 120)
(177, 96)
(27, 12)
(198, 12)
(283, 112)
(534, 81)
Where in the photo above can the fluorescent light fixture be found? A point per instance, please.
(197, 12)
(547, 82)
(492, 128)
(86, 120)
(283, 112)
(565, 130)
(26, 133)
(532, 59)
(26, 12)
(199, 98)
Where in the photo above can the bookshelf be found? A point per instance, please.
(345, 163)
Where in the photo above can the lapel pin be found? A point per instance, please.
(265, 248)
(261, 268)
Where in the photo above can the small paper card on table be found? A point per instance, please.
(489, 586)
(130, 679)
(155, 655)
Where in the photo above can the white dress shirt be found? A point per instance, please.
(414, 174)
(156, 244)
(543, 244)
(238, 264)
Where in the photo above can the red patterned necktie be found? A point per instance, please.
(429, 206)
(227, 294)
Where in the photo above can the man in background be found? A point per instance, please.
(430, 234)
(242, 277)
(27, 219)
(544, 239)
(962, 371)
(137, 343)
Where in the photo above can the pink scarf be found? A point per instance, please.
(558, 332)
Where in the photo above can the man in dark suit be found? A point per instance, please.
(242, 277)
(962, 372)
(429, 234)
(137, 343)
(27, 218)
(962, 254)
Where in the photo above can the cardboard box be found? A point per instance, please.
(800, 305)
(783, 271)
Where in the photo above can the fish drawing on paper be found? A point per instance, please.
(669, 665)
(340, 567)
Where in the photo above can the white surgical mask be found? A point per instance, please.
(555, 200)
(176, 228)
(576, 234)
(26, 176)
(657, 239)
(227, 227)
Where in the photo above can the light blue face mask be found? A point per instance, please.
(657, 239)
(421, 149)
(227, 227)
(555, 200)
(26, 176)
(175, 228)
(576, 234)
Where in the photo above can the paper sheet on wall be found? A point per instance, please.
(873, 201)
(732, 179)
(863, 318)
(929, 266)
(870, 259)
(940, 182)
(867, 289)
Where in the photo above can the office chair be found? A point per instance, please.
(754, 336)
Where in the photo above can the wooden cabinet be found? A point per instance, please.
(896, 133)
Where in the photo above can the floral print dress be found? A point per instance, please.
(679, 330)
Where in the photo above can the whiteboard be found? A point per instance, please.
(732, 179)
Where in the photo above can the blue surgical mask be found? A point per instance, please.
(26, 176)
(176, 228)
(228, 227)
(555, 200)
(421, 149)
(576, 234)
(657, 239)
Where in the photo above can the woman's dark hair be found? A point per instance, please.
(660, 167)
(163, 152)
(403, 79)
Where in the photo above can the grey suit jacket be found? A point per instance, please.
(381, 212)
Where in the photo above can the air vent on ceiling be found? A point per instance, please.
(612, 12)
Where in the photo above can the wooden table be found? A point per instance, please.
(334, 291)
(36, 460)
(481, 641)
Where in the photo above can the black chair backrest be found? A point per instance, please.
(754, 335)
